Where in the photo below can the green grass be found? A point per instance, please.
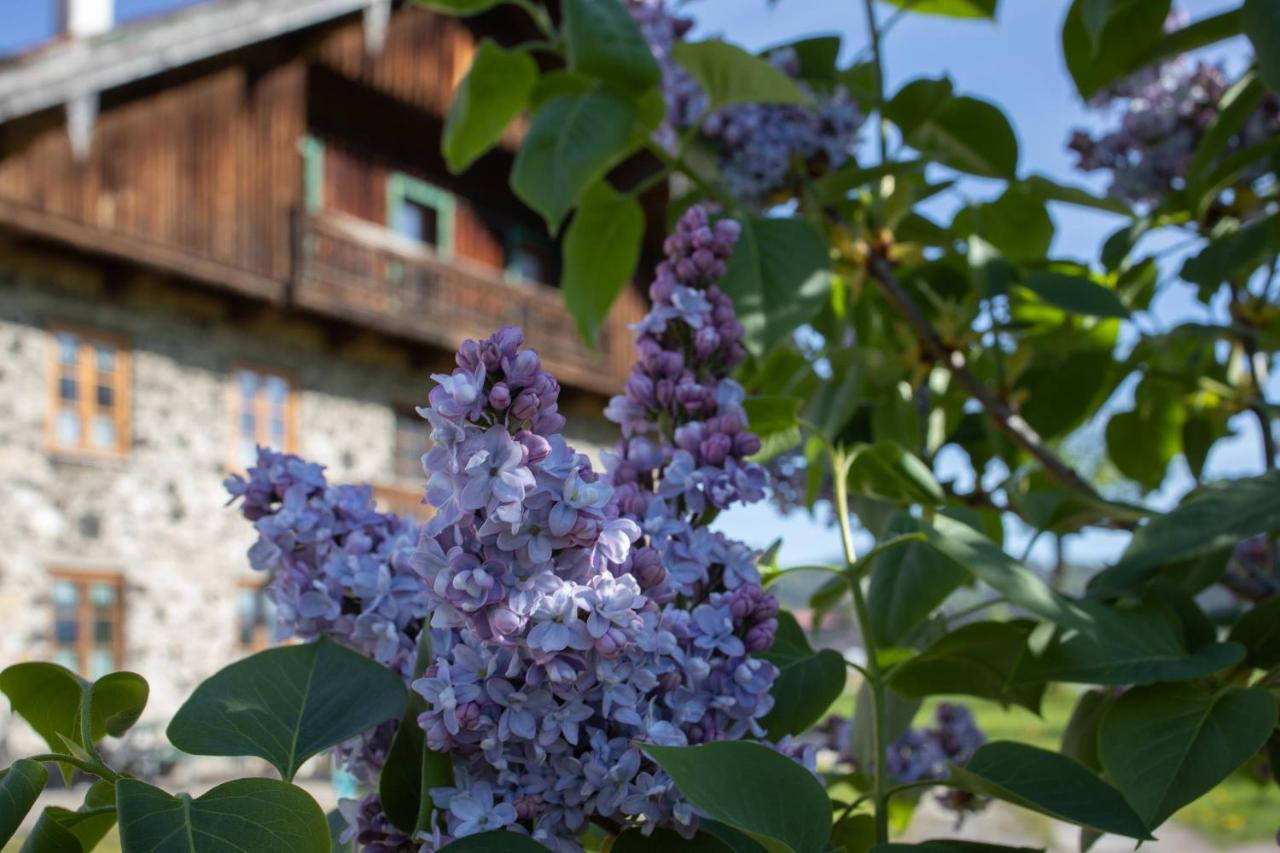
(1239, 810)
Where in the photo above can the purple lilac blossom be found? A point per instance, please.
(603, 618)
(761, 149)
(1164, 111)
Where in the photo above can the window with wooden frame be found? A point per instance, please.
(263, 404)
(88, 392)
(530, 256)
(411, 439)
(421, 211)
(88, 621)
(255, 617)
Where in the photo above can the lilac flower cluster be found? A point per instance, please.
(924, 753)
(762, 149)
(920, 753)
(1164, 111)
(339, 568)
(566, 639)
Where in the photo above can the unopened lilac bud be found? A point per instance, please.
(527, 806)
(468, 715)
(688, 436)
(746, 444)
(715, 448)
(664, 391)
(549, 422)
(669, 681)
(525, 406)
(691, 395)
(760, 637)
(706, 341)
(468, 357)
(686, 271)
(640, 389)
(504, 621)
(662, 288)
(500, 397)
(535, 445)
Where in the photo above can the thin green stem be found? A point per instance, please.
(969, 611)
(877, 58)
(874, 677)
(98, 769)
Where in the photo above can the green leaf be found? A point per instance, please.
(908, 583)
(778, 277)
(1142, 441)
(961, 132)
(604, 41)
(808, 681)
(245, 814)
(1017, 224)
(50, 697)
(663, 840)
(1127, 40)
(730, 75)
(1211, 519)
(985, 560)
(1080, 737)
(1048, 783)
(601, 250)
(751, 788)
(946, 845)
(1098, 13)
(1260, 20)
(60, 830)
(461, 8)
(337, 826)
(20, 787)
(1258, 631)
(1234, 254)
(411, 770)
(817, 57)
(496, 841)
(775, 419)
(494, 92)
(1076, 293)
(287, 704)
(1136, 645)
(950, 8)
(571, 142)
(1169, 744)
(1237, 106)
(1048, 189)
(978, 659)
(888, 470)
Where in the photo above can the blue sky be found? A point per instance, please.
(1015, 62)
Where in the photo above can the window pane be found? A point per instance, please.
(68, 428)
(68, 348)
(66, 601)
(412, 439)
(67, 657)
(277, 390)
(248, 384)
(67, 389)
(248, 424)
(103, 595)
(104, 433)
(104, 633)
(528, 264)
(106, 397)
(248, 452)
(418, 221)
(105, 358)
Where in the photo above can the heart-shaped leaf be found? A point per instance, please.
(752, 788)
(1169, 744)
(974, 660)
(1048, 783)
(808, 681)
(60, 830)
(20, 787)
(494, 92)
(604, 41)
(730, 75)
(245, 814)
(601, 250)
(287, 704)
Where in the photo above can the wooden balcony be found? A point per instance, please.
(356, 270)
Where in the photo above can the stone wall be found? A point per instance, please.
(157, 515)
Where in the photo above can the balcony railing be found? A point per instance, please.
(352, 269)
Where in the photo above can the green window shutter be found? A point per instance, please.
(312, 173)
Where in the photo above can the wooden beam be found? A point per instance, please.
(53, 76)
(145, 253)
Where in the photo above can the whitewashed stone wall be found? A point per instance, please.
(158, 515)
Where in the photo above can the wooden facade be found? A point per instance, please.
(208, 173)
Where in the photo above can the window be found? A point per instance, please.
(530, 256)
(88, 622)
(422, 212)
(255, 617)
(412, 439)
(89, 394)
(263, 408)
